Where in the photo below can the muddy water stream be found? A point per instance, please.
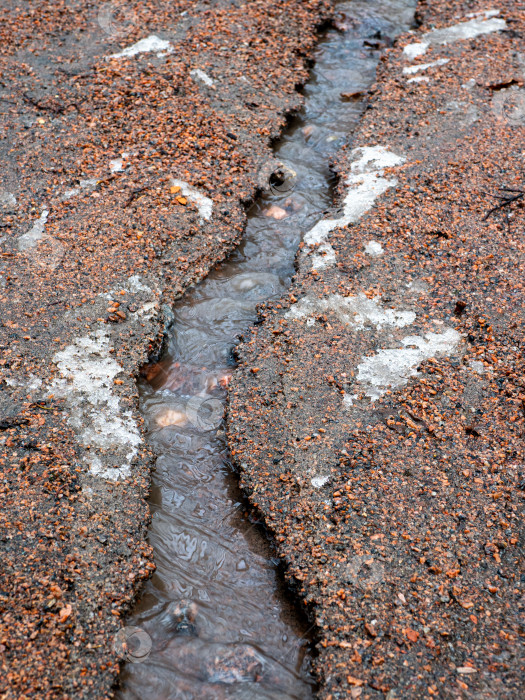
(219, 622)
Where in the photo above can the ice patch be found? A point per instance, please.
(419, 79)
(82, 185)
(374, 249)
(415, 50)
(410, 70)
(148, 310)
(34, 382)
(348, 399)
(116, 166)
(457, 32)
(35, 233)
(7, 200)
(365, 185)
(135, 285)
(204, 204)
(87, 378)
(151, 43)
(319, 481)
(484, 13)
(477, 366)
(358, 311)
(203, 77)
(323, 257)
(469, 84)
(392, 368)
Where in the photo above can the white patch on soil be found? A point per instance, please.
(116, 166)
(484, 13)
(35, 233)
(411, 70)
(319, 481)
(204, 204)
(135, 285)
(323, 257)
(358, 311)
(469, 84)
(414, 50)
(34, 382)
(457, 32)
(374, 249)
(88, 371)
(8, 201)
(348, 399)
(148, 310)
(201, 76)
(82, 185)
(151, 43)
(391, 368)
(365, 185)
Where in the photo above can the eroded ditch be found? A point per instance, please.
(215, 620)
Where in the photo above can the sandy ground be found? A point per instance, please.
(378, 415)
(131, 139)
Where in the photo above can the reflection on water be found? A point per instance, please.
(219, 622)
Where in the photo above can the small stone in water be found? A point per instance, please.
(276, 212)
(180, 618)
(308, 130)
(237, 665)
(222, 379)
(293, 204)
(350, 96)
(246, 284)
(171, 417)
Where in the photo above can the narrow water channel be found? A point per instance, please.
(220, 623)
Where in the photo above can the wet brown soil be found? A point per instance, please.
(377, 415)
(94, 237)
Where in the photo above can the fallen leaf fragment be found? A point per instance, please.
(370, 629)
(350, 96)
(354, 681)
(65, 613)
(174, 189)
(412, 635)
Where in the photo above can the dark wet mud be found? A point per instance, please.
(214, 614)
